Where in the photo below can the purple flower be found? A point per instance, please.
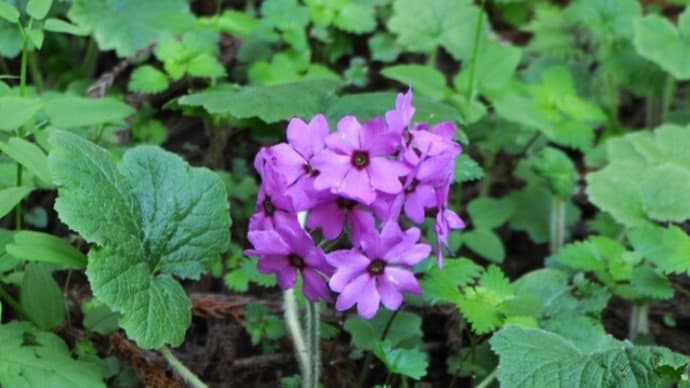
(293, 159)
(331, 214)
(446, 220)
(379, 272)
(398, 120)
(273, 206)
(287, 250)
(357, 161)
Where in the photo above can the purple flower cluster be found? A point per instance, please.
(358, 181)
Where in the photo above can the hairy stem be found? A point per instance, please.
(187, 375)
(639, 321)
(557, 224)
(488, 379)
(667, 97)
(313, 345)
(475, 51)
(295, 330)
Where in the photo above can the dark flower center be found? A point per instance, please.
(412, 187)
(345, 203)
(360, 159)
(376, 267)
(309, 170)
(268, 206)
(296, 261)
(407, 137)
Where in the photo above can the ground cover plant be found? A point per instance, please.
(305, 193)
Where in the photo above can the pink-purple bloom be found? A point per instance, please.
(379, 271)
(357, 161)
(354, 186)
(287, 251)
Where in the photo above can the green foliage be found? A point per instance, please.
(405, 331)
(632, 187)
(407, 362)
(442, 284)
(530, 357)
(658, 40)
(269, 103)
(667, 248)
(28, 155)
(424, 80)
(41, 297)
(153, 202)
(43, 247)
(147, 79)
(16, 111)
(556, 169)
(61, 111)
(261, 325)
(30, 358)
(12, 196)
(127, 26)
(194, 54)
(422, 27)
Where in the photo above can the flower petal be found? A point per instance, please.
(332, 169)
(368, 303)
(391, 297)
(403, 279)
(308, 139)
(272, 264)
(384, 174)
(268, 242)
(352, 292)
(287, 277)
(314, 286)
(288, 162)
(356, 185)
(329, 217)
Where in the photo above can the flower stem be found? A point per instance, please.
(488, 379)
(313, 345)
(669, 92)
(475, 51)
(22, 93)
(296, 333)
(4, 295)
(557, 224)
(639, 321)
(187, 375)
(367, 360)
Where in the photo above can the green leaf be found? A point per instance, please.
(10, 38)
(99, 318)
(163, 219)
(36, 36)
(557, 170)
(355, 17)
(147, 79)
(581, 255)
(634, 187)
(269, 103)
(481, 305)
(607, 20)
(486, 243)
(32, 358)
(10, 197)
(532, 216)
(9, 12)
(233, 22)
(441, 284)
(16, 111)
(424, 80)
(495, 66)
(423, 26)
(61, 26)
(649, 283)
(61, 111)
(405, 331)
(531, 357)
(667, 248)
(38, 9)
(407, 362)
(369, 105)
(43, 247)
(467, 169)
(29, 155)
(41, 297)
(658, 40)
(488, 212)
(129, 25)
(205, 65)
(383, 48)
